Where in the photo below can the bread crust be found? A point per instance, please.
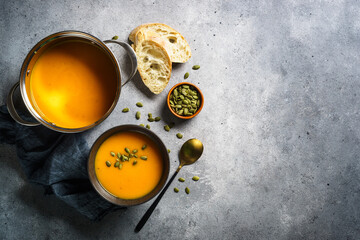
(174, 43)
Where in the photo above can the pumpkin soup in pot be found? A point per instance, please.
(73, 84)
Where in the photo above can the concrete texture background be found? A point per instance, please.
(280, 125)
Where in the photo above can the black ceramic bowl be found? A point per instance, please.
(101, 190)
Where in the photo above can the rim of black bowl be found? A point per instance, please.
(102, 191)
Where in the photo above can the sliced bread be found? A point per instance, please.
(154, 63)
(174, 43)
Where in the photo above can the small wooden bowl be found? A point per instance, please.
(201, 100)
(102, 191)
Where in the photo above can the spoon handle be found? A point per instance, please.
(153, 206)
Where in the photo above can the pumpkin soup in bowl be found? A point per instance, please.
(128, 165)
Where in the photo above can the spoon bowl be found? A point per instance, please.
(190, 152)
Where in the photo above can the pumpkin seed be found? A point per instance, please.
(144, 146)
(150, 115)
(176, 190)
(168, 150)
(142, 125)
(139, 104)
(185, 86)
(180, 112)
(176, 92)
(125, 110)
(135, 151)
(115, 37)
(181, 179)
(195, 178)
(157, 119)
(179, 135)
(127, 150)
(187, 190)
(147, 126)
(167, 128)
(143, 157)
(135, 156)
(108, 163)
(117, 164)
(125, 158)
(120, 166)
(118, 155)
(186, 75)
(151, 119)
(137, 115)
(134, 162)
(112, 154)
(196, 67)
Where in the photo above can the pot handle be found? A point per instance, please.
(11, 108)
(130, 51)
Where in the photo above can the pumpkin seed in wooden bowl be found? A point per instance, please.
(185, 100)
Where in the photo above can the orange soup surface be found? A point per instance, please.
(131, 181)
(73, 84)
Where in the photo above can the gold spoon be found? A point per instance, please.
(190, 152)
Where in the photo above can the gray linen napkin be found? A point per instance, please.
(56, 161)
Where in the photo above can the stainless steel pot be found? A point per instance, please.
(36, 52)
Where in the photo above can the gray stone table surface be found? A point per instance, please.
(280, 125)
